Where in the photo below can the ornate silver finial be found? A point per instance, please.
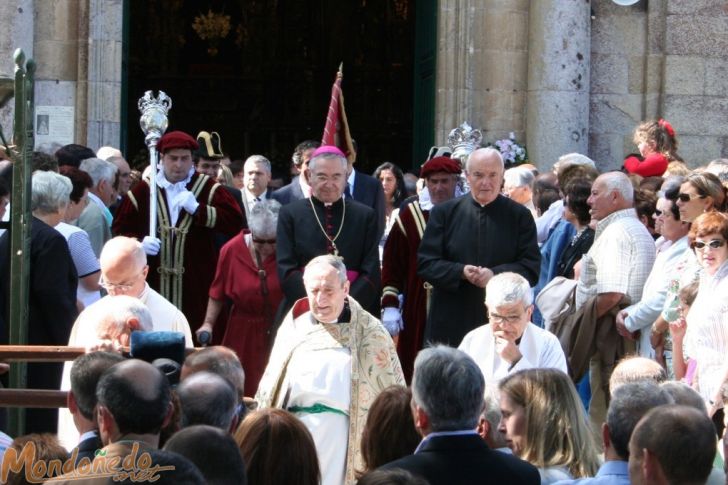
(154, 116)
(463, 140)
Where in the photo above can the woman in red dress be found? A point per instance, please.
(247, 279)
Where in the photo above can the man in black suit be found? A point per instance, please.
(447, 400)
(295, 190)
(367, 190)
(85, 374)
(257, 174)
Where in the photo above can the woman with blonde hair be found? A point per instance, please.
(544, 423)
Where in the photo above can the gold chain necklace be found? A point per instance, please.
(341, 226)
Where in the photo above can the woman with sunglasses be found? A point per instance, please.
(706, 337)
(246, 282)
(699, 193)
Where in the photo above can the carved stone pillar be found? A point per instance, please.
(482, 67)
(558, 80)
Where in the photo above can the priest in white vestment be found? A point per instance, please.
(329, 362)
(510, 342)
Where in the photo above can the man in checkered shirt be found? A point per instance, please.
(617, 264)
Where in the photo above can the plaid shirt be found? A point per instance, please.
(620, 259)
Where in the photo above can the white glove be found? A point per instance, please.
(187, 201)
(151, 245)
(392, 320)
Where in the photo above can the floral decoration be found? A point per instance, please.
(512, 152)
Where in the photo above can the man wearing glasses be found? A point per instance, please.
(124, 271)
(511, 342)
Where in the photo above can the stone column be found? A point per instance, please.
(104, 73)
(17, 32)
(57, 51)
(558, 79)
(481, 67)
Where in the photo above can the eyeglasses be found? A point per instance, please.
(119, 288)
(683, 197)
(713, 244)
(510, 319)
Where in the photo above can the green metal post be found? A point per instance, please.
(21, 220)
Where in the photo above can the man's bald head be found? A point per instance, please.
(207, 398)
(136, 395)
(636, 369)
(219, 360)
(123, 266)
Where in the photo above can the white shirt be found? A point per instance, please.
(706, 337)
(539, 349)
(84, 260)
(620, 259)
(171, 191)
(642, 314)
(350, 181)
(548, 220)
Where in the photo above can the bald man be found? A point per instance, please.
(124, 271)
(134, 403)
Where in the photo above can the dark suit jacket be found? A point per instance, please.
(465, 460)
(87, 448)
(288, 193)
(369, 191)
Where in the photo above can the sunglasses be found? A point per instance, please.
(264, 241)
(683, 197)
(713, 244)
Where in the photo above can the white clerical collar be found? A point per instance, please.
(166, 184)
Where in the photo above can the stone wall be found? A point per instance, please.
(482, 67)
(17, 32)
(104, 73)
(696, 77)
(659, 59)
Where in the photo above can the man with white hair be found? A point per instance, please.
(511, 342)
(467, 241)
(96, 218)
(106, 325)
(616, 266)
(330, 360)
(256, 177)
(518, 186)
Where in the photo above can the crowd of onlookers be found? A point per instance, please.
(611, 368)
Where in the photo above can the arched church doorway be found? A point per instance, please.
(260, 72)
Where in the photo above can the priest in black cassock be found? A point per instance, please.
(326, 223)
(468, 240)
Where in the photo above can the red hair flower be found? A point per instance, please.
(667, 126)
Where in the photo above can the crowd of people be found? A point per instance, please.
(472, 323)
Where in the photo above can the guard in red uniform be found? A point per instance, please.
(191, 208)
(399, 262)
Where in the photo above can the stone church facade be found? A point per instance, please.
(563, 75)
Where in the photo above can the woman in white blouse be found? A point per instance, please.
(706, 337)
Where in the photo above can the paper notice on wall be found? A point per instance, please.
(54, 124)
